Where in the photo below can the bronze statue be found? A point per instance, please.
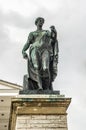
(42, 57)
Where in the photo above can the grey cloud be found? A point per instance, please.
(13, 18)
(4, 38)
(17, 20)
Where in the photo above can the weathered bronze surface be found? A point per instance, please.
(42, 58)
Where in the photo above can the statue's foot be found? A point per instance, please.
(40, 88)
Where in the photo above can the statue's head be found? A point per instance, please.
(39, 21)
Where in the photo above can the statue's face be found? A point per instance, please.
(40, 22)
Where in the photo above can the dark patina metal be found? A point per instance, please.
(42, 58)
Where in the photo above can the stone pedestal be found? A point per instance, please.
(39, 112)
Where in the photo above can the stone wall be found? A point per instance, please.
(41, 122)
(39, 112)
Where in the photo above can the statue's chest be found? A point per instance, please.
(38, 36)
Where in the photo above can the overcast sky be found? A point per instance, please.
(69, 16)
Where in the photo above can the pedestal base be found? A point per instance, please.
(39, 112)
(39, 92)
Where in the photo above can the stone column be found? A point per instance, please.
(39, 112)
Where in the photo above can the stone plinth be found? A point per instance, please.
(39, 112)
